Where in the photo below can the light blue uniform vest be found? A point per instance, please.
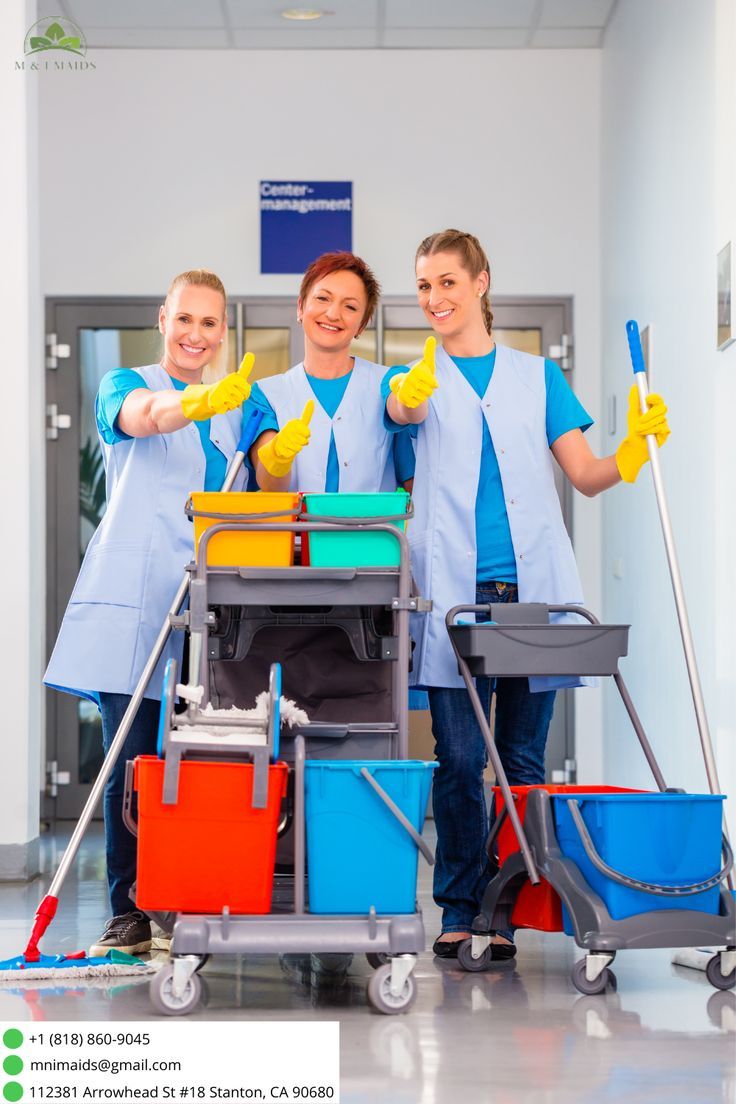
(442, 533)
(136, 558)
(363, 444)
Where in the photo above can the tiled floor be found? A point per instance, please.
(517, 1033)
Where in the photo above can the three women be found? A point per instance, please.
(486, 421)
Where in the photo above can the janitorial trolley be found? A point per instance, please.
(340, 790)
(615, 869)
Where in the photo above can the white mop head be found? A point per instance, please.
(291, 714)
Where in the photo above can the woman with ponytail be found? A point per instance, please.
(165, 430)
(488, 527)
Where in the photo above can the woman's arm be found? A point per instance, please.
(588, 473)
(406, 415)
(264, 479)
(274, 453)
(592, 474)
(408, 403)
(145, 413)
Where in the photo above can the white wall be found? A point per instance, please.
(151, 164)
(666, 210)
(21, 461)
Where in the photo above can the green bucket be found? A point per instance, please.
(358, 548)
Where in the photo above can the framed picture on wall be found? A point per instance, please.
(725, 295)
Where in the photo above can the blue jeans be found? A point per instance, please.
(462, 870)
(120, 845)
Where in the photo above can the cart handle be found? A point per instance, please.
(633, 883)
(299, 512)
(264, 515)
(353, 522)
(394, 808)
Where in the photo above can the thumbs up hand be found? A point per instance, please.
(201, 400)
(278, 454)
(414, 387)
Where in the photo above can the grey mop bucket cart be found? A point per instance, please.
(520, 641)
(391, 942)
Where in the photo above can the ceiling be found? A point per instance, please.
(350, 24)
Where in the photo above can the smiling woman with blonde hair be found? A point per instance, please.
(488, 528)
(164, 432)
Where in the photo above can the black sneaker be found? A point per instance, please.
(130, 933)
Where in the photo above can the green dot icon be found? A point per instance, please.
(12, 1091)
(13, 1038)
(13, 1065)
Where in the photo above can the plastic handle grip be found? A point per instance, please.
(637, 356)
(249, 430)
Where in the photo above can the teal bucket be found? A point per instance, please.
(359, 856)
(358, 548)
(668, 839)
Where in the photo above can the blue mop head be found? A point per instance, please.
(114, 963)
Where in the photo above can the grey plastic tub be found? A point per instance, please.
(517, 650)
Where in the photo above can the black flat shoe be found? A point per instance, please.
(446, 948)
(502, 952)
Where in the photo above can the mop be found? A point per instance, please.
(32, 963)
(696, 958)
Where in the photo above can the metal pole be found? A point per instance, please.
(711, 770)
(640, 377)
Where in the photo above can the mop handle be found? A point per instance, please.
(640, 376)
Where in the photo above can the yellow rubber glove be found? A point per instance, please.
(633, 452)
(202, 400)
(278, 455)
(414, 387)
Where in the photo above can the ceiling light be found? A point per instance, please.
(303, 13)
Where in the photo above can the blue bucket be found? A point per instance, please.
(659, 838)
(358, 854)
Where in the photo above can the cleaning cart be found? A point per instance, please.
(355, 804)
(615, 869)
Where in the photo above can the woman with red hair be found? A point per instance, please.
(322, 427)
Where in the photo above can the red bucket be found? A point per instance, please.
(211, 849)
(537, 906)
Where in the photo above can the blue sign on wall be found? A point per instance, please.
(302, 219)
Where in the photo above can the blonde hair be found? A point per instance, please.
(472, 256)
(202, 277)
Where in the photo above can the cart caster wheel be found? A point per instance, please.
(163, 998)
(715, 974)
(470, 964)
(381, 997)
(376, 959)
(605, 980)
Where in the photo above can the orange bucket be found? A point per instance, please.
(212, 849)
(238, 549)
(537, 906)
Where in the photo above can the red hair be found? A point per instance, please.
(343, 261)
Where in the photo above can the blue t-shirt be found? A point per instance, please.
(115, 386)
(329, 394)
(495, 550)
